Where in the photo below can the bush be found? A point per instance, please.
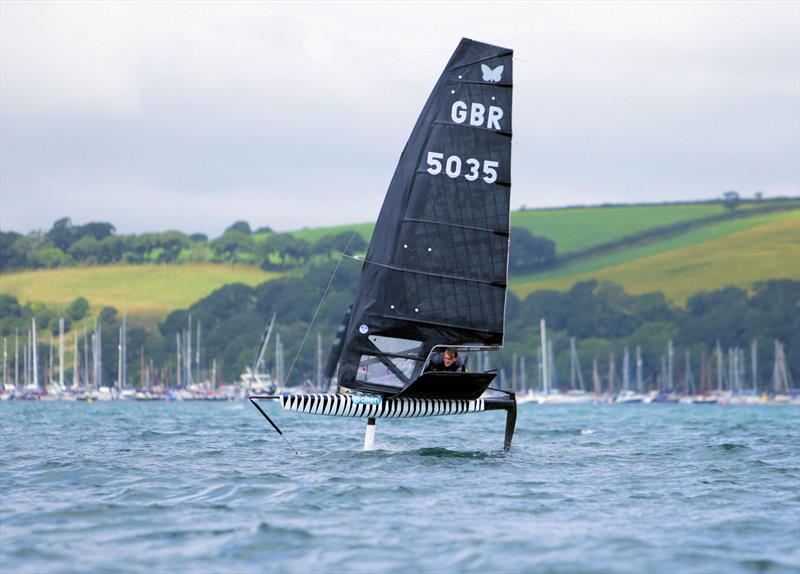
(78, 308)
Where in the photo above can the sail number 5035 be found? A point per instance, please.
(470, 168)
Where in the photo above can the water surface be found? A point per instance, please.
(191, 487)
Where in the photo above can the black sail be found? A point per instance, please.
(435, 272)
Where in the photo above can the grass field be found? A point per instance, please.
(145, 291)
(739, 252)
(577, 228)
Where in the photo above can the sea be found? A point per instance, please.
(210, 487)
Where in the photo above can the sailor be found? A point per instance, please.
(447, 361)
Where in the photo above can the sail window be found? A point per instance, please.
(395, 346)
(373, 368)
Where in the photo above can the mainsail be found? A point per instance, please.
(435, 271)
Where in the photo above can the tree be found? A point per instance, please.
(528, 252)
(171, 243)
(86, 249)
(731, 199)
(9, 257)
(240, 225)
(78, 308)
(24, 247)
(230, 244)
(111, 249)
(9, 306)
(287, 247)
(97, 229)
(49, 257)
(62, 234)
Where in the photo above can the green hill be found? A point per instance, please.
(145, 291)
(737, 252)
(679, 249)
(577, 228)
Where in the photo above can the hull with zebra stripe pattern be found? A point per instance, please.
(374, 407)
(360, 406)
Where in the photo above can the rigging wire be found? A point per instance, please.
(316, 312)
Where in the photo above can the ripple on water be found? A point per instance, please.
(585, 489)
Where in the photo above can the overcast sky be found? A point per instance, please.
(187, 116)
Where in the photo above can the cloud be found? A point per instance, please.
(163, 115)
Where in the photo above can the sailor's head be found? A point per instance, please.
(450, 356)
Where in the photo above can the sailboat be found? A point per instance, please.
(435, 273)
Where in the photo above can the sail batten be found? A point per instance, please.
(441, 275)
(440, 246)
(481, 60)
(502, 232)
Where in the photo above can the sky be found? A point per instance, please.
(190, 116)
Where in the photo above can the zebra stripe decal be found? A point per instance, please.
(339, 405)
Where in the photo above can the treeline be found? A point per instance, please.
(96, 243)
(600, 315)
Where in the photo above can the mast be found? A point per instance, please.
(197, 350)
(596, 377)
(704, 383)
(49, 377)
(16, 358)
(780, 375)
(119, 360)
(61, 352)
(670, 363)
(545, 370)
(5, 364)
(612, 374)
(124, 359)
(76, 374)
(754, 364)
(278, 360)
(626, 370)
(435, 272)
(35, 355)
(26, 359)
(142, 383)
(688, 378)
(99, 365)
(188, 357)
(575, 366)
(639, 382)
(265, 337)
(94, 360)
(86, 379)
(178, 365)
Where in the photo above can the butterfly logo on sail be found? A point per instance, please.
(490, 75)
